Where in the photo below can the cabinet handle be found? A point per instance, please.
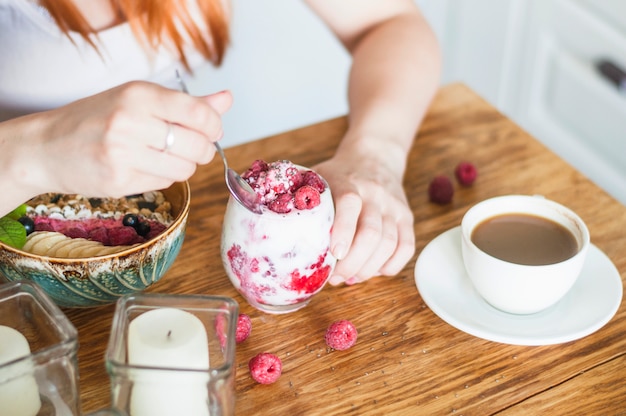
(614, 74)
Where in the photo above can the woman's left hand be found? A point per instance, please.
(373, 231)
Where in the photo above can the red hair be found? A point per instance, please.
(154, 22)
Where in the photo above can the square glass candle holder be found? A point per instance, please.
(38, 361)
(173, 355)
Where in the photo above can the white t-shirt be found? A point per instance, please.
(40, 68)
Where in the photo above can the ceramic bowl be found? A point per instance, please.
(94, 281)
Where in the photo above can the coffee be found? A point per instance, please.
(525, 239)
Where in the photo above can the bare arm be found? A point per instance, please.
(394, 76)
(109, 144)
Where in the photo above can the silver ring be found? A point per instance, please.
(169, 139)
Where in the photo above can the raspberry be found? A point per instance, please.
(257, 167)
(244, 327)
(265, 368)
(465, 173)
(281, 204)
(123, 236)
(76, 232)
(100, 234)
(440, 190)
(341, 335)
(156, 228)
(295, 178)
(43, 226)
(313, 179)
(306, 197)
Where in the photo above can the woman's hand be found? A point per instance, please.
(394, 75)
(133, 138)
(373, 230)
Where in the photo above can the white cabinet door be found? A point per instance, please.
(558, 93)
(536, 61)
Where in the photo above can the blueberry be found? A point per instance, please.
(130, 220)
(143, 228)
(28, 223)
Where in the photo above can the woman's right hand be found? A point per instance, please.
(110, 144)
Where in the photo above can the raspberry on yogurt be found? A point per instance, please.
(306, 197)
(280, 184)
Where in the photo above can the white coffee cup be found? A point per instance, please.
(519, 288)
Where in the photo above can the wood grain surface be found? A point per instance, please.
(407, 360)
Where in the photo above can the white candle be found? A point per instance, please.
(174, 339)
(19, 394)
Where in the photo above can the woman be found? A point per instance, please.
(89, 104)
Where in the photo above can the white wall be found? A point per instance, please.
(284, 68)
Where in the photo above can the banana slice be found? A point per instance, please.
(91, 250)
(35, 238)
(111, 250)
(52, 250)
(53, 244)
(44, 245)
(64, 248)
(82, 250)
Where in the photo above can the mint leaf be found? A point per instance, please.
(17, 213)
(12, 232)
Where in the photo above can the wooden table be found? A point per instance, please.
(407, 360)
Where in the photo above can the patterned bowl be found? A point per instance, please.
(102, 280)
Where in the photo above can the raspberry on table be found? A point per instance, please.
(306, 197)
(265, 368)
(341, 335)
(244, 328)
(465, 173)
(440, 190)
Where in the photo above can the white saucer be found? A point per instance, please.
(443, 284)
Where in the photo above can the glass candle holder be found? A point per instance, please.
(173, 355)
(38, 361)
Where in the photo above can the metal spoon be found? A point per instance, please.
(238, 187)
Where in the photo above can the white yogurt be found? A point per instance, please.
(278, 261)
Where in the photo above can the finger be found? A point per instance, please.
(220, 101)
(366, 240)
(189, 112)
(383, 252)
(129, 130)
(125, 174)
(186, 144)
(404, 250)
(166, 166)
(140, 183)
(148, 161)
(348, 207)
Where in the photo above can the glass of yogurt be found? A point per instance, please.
(280, 258)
